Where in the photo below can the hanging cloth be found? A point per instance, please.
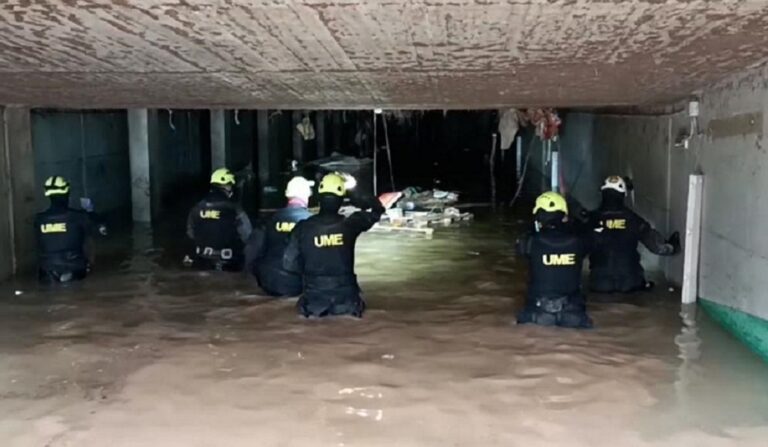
(306, 129)
(509, 124)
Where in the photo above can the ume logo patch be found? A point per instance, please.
(616, 224)
(210, 214)
(53, 228)
(284, 227)
(329, 240)
(564, 259)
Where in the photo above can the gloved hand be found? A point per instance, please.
(86, 204)
(103, 230)
(350, 182)
(674, 241)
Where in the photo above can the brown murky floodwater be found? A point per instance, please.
(147, 354)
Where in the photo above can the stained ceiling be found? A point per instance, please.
(440, 54)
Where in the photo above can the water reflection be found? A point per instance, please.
(147, 353)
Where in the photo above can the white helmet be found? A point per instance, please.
(615, 183)
(299, 188)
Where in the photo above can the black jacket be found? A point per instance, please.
(556, 256)
(322, 248)
(61, 234)
(266, 248)
(218, 223)
(615, 264)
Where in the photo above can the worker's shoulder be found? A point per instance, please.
(201, 203)
(633, 215)
(310, 221)
(72, 212)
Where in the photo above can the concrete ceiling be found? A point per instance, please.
(365, 53)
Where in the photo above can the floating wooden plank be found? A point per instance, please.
(426, 231)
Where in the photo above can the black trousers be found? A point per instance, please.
(564, 311)
(55, 276)
(329, 296)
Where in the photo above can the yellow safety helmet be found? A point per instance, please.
(56, 186)
(551, 202)
(333, 184)
(223, 176)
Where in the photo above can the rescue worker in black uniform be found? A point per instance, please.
(61, 235)
(219, 227)
(322, 250)
(615, 265)
(556, 253)
(266, 247)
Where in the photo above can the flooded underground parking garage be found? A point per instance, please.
(426, 133)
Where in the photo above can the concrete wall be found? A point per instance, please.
(183, 155)
(90, 149)
(6, 233)
(730, 150)
(24, 201)
(734, 158)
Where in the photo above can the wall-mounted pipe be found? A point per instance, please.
(692, 239)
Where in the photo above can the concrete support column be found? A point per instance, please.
(20, 190)
(298, 142)
(337, 128)
(142, 140)
(320, 133)
(262, 131)
(6, 207)
(219, 158)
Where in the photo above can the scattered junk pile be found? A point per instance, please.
(418, 211)
(411, 210)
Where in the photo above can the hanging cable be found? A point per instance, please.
(492, 169)
(170, 120)
(389, 152)
(375, 162)
(521, 182)
(237, 117)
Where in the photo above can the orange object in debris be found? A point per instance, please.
(388, 199)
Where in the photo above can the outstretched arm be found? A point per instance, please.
(654, 241)
(244, 227)
(372, 211)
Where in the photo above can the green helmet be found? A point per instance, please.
(333, 184)
(551, 202)
(56, 186)
(223, 177)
